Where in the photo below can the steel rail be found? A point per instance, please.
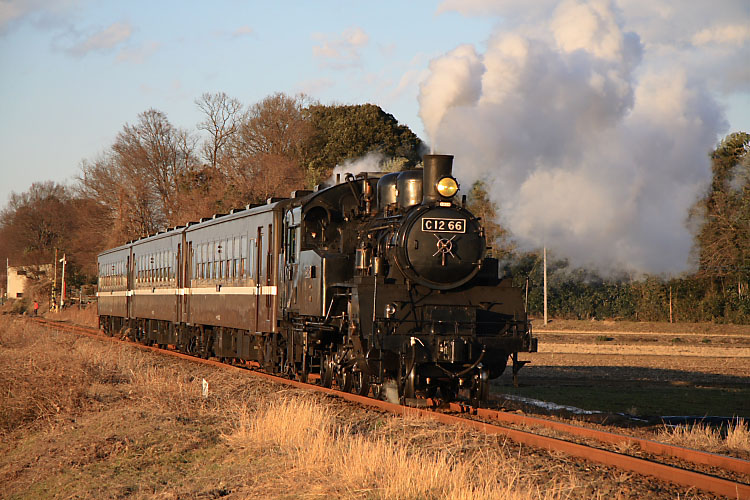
(646, 445)
(676, 475)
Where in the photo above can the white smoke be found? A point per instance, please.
(371, 162)
(455, 81)
(588, 148)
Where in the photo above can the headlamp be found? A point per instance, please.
(447, 187)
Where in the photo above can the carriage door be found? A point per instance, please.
(187, 274)
(269, 296)
(288, 283)
(258, 278)
(179, 283)
(129, 286)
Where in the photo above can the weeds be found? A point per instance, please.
(84, 419)
(699, 436)
(331, 455)
(85, 316)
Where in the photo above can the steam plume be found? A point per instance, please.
(587, 147)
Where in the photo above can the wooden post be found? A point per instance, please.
(62, 282)
(670, 304)
(54, 285)
(545, 286)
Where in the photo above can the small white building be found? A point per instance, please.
(20, 276)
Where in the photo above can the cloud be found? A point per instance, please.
(505, 8)
(315, 87)
(103, 40)
(244, 30)
(139, 54)
(13, 12)
(591, 141)
(729, 34)
(341, 51)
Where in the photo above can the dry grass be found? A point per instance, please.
(645, 350)
(336, 459)
(80, 418)
(736, 437)
(609, 326)
(85, 316)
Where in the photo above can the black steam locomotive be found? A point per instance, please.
(377, 281)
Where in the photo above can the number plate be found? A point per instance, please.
(440, 225)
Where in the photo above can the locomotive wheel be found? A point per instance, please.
(301, 374)
(192, 346)
(326, 371)
(407, 385)
(480, 390)
(344, 379)
(360, 382)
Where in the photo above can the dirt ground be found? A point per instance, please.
(645, 369)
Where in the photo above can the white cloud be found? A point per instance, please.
(103, 40)
(729, 34)
(14, 11)
(505, 8)
(342, 51)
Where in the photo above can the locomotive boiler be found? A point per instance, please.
(375, 281)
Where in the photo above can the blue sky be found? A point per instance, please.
(75, 71)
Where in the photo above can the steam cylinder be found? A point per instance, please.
(435, 168)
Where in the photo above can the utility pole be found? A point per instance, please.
(62, 282)
(545, 286)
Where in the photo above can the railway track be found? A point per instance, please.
(479, 419)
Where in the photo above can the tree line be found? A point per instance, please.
(156, 175)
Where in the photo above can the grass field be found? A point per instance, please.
(81, 418)
(643, 369)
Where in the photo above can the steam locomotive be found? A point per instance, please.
(376, 281)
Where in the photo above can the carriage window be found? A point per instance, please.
(196, 262)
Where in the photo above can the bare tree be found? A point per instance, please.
(267, 152)
(37, 221)
(137, 181)
(150, 149)
(222, 122)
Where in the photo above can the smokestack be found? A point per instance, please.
(435, 168)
